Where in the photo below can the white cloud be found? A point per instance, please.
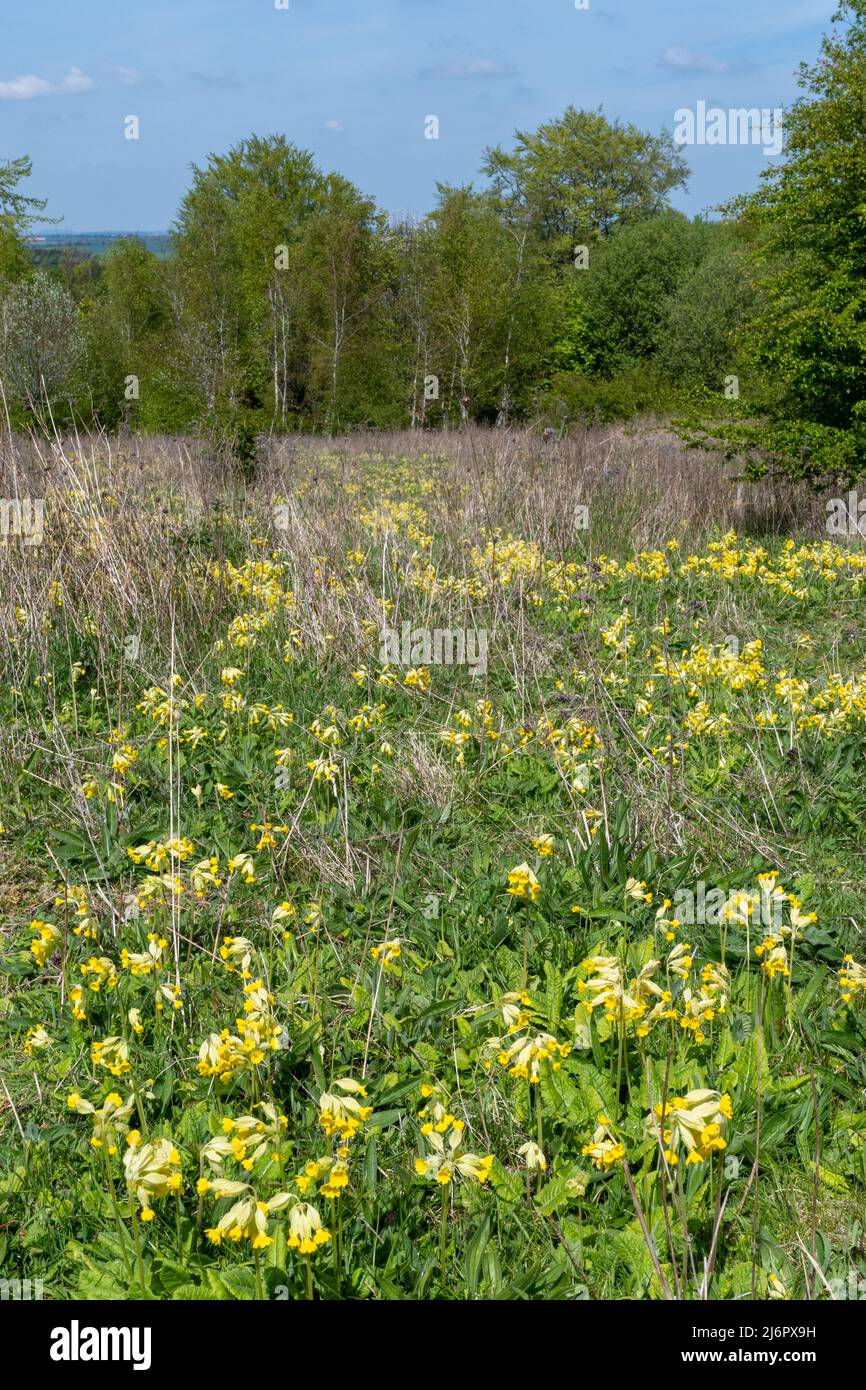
(336, 126)
(478, 67)
(127, 77)
(684, 59)
(26, 88)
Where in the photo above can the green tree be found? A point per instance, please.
(807, 339)
(629, 283)
(697, 332)
(17, 213)
(581, 177)
(344, 266)
(40, 342)
(128, 330)
(236, 244)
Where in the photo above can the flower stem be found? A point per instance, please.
(443, 1233)
(137, 1241)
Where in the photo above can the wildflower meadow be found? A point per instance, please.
(340, 964)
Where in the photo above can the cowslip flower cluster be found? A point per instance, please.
(108, 1118)
(45, 940)
(524, 1056)
(604, 1148)
(332, 1169)
(445, 1158)
(387, 955)
(694, 1123)
(112, 1053)
(522, 883)
(852, 977)
(152, 1170)
(247, 1139)
(623, 1003)
(306, 1232)
(342, 1115)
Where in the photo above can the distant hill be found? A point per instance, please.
(53, 248)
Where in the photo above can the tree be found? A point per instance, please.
(699, 323)
(808, 336)
(628, 286)
(40, 341)
(343, 267)
(17, 213)
(128, 330)
(236, 243)
(580, 177)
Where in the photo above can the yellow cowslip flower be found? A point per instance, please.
(112, 1053)
(523, 1057)
(237, 951)
(544, 845)
(248, 1218)
(306, 1232)
(446, 1158)
(314, 916)
(773, 956)
(533, 1157)
(680, 960)
(243, 864)
(108, 1118)
(604, 1148)
(286, 912)
(334, 1172)
(522, 883)
(417, 678)
(204, 875)
(45, 940)
(514, 1006)
(637, 889)
(387, 955)
(34, 1040)
(226, 1054)
(694, 1122)
(99, 971)
(152, 1170)
(145, 962)
(323, 770)
(343, 1115)
(852, 978)
(247, 1138)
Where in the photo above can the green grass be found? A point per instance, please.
(410, 837)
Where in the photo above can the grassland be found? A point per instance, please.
(330, 976)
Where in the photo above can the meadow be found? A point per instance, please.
(334, 970)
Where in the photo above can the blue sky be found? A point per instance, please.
(353, 80)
